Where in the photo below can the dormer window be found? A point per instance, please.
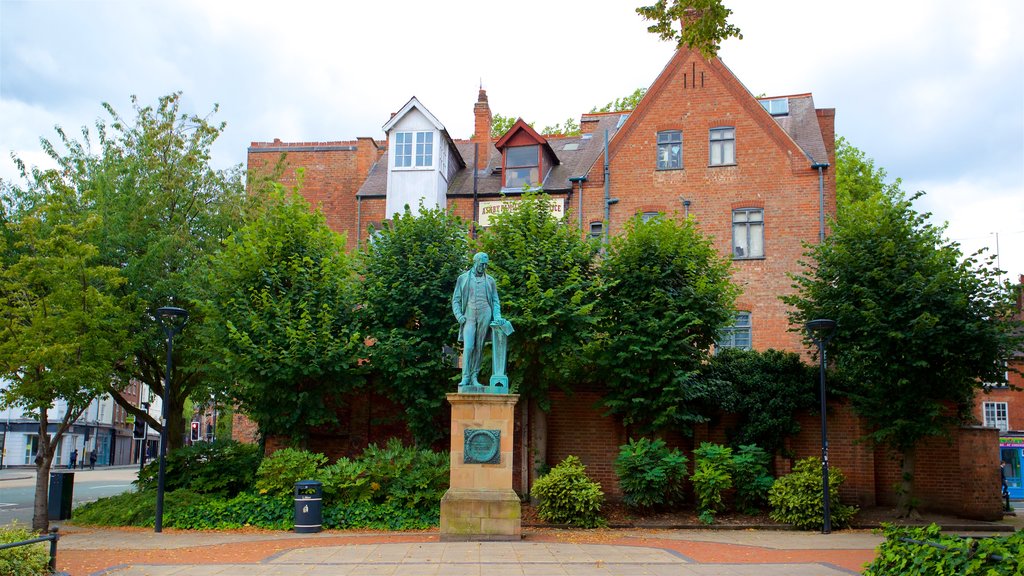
(522, 166)
(424, 149)
(776, 106)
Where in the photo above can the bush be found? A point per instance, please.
(567, 496)
(712, 476)
(135, 508)
(406, 476)
(650, 474)
(373, 516)
(279, 471)
(222, 467)
(259, 511)
(31, 560)
(966, 556)
(797, 498)
(751, 478)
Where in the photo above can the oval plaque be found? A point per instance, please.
(481, 446)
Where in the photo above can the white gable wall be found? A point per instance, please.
(410, 185)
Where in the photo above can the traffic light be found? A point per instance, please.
(195, 431)
(139, 432)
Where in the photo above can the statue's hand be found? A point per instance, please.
(462, 320)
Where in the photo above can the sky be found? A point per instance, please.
(932, 90)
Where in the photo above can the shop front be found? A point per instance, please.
(1011, 451)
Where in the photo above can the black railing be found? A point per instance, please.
(52, 537)
(973, 548)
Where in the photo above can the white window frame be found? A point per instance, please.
(751, 227)
(742, 325)
(424, 151)
(403, 149)
(996, 415)
(720, 140)
(414, 149)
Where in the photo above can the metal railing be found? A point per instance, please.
(972, 548)
(52, 538)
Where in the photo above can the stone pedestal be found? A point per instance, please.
(480, 503)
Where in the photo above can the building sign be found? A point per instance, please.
(491, 207)
(1011, 441)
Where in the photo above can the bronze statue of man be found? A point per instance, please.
(476, 307)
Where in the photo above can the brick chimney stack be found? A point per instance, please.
(482, 132)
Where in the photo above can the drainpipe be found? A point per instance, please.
(608, 200)
(579, 180)
(821, 200)
(359, 221)
(686, 209)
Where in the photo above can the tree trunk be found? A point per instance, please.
(906, 504)
(538, 439)
(44, 458)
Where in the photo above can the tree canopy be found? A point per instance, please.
(700, 25)
(666, 294)
(279, 301)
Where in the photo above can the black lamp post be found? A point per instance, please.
(173, 320)
(143, 443)
(821, 331)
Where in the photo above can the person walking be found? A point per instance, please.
(92, 460)
(74, 459)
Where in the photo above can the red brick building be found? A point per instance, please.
(755, 173)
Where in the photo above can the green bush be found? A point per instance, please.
(650, 474)
(31, 560)
(406, 476)
(751, 478)
(135, 508)
(566, 495)
(373, 516)
(279, 471)
(797, 498)
(964, 556)
(256, 510)
(345, 481)
(712, 476)
(222, 467)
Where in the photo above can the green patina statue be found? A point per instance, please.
(477, 308)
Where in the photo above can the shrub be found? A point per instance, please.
(406, 476)
(135, 508)
(566, 495)
(650, 474)
(797, 498)
(279, 471)
(712, 476)
(31, 560)
(751, 478)
(968, 556)
(256, 510)
(374, 516)
(223, 467)
(345, 481)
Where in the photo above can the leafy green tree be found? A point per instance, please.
(857, 177)
(501, 124)
(622, 104)
(160, 206)
(667, 293)
(61, 327)
(920, 328)
(700, 25)
(571, 128)
(409, 271)
(279, 302)
(766, 390)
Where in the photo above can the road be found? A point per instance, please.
(17, 489)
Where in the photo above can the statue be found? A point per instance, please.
(477, 308)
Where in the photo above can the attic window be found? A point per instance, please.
(776, 106)
(571, 146)
(522, 166)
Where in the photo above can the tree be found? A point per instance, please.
(409, 271)
(920, 328)
(501, 124)
(667, 293)
(61, 327)
(571, 128)
(160, 207)
(857, 178)
(700, 25)
(623, 104)
(279, 302)
(548, 285)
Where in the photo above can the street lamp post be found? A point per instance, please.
(173, 320)
(144, 442)
(821, 331)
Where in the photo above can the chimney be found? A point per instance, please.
(482, 133)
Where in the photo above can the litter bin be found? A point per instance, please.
(308, 511)
(62, 487)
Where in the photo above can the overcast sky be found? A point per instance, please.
(933, 90)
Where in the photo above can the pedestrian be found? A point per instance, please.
(74, 459)
(92, 460)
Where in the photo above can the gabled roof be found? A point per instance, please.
(802, 126)
(521, 126)
(415, 103)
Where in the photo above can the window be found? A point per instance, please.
(670, 150)
(996, 415)
(424, 148)
(776, 106)
(522, 166)
(738, 335)
(596, 229)
(424, 142)
(748, 233)
(722, 146)
(648, 216)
